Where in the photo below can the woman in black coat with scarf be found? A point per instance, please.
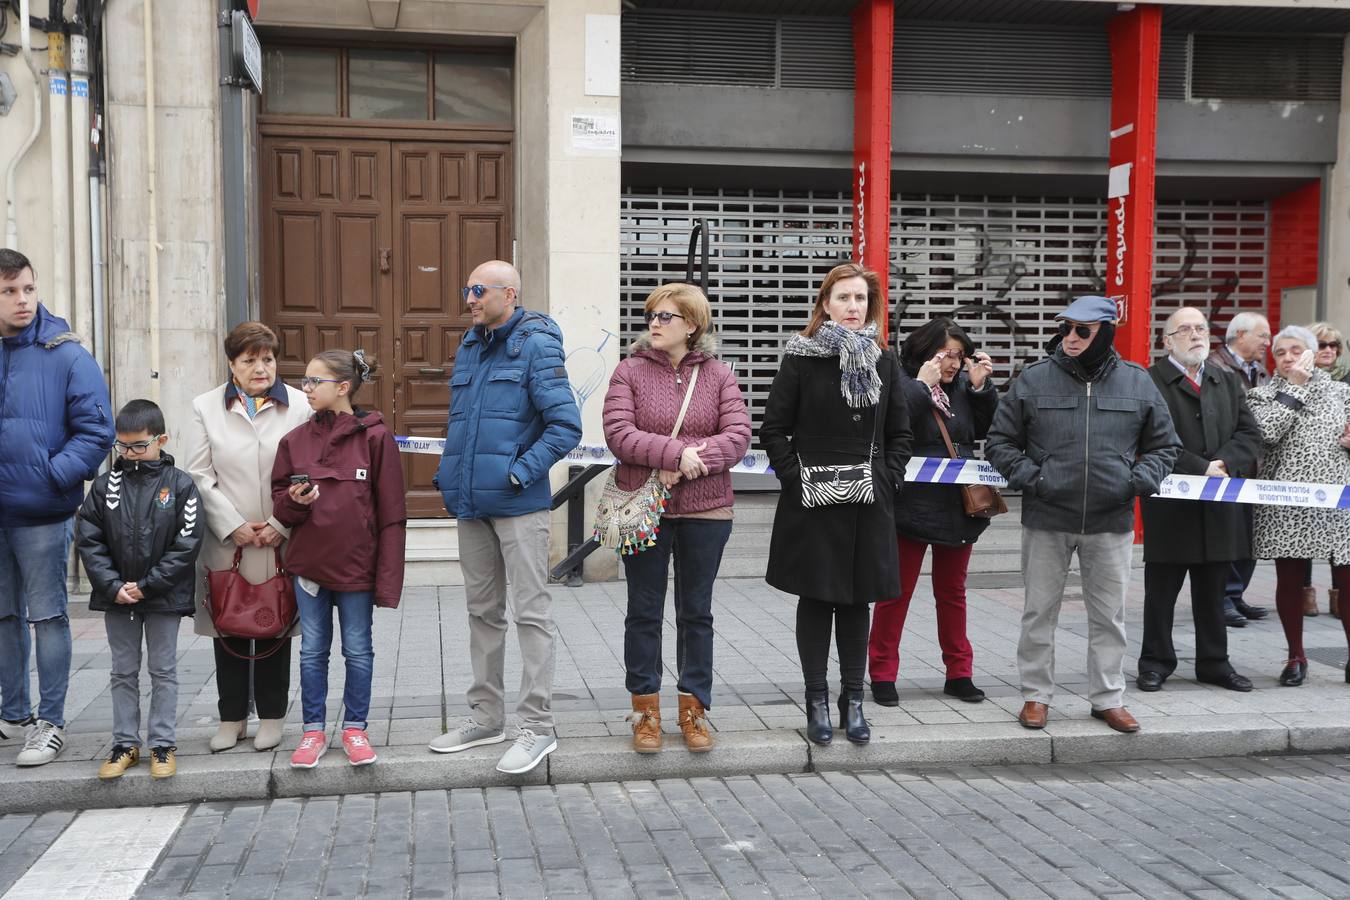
(836, 401)
(942, 376)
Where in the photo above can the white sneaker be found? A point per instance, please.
(527, 752)
(465, 735)
(21, 728)
(44, 742)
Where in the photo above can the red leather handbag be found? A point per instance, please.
(253, 612)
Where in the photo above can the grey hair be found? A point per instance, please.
(1297, 333)
(1243, 321)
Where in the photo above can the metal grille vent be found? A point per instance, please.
(1003, 265)
(1001, 59)
(817, 53)
(1265, 67)
(1173, 65)
(667, 46)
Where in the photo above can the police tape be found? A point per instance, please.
(937, 470)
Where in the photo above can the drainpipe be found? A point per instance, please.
(79, 182)
(58, 130)
(11, 175)
(152, 238)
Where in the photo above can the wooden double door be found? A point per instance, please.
(366, 243)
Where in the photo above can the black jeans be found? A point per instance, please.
(1162, 583)
(271, 681)
(697, 547)
(850, 622)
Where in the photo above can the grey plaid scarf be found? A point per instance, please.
(858, 354)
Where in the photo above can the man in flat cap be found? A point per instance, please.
(1080, 434)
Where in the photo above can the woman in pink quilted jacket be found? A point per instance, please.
(641, 407)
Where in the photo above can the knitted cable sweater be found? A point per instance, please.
(641, 406)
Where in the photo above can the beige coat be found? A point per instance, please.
(230, 456)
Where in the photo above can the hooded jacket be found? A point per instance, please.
(353, 537)
(56, 423)
(641, 406)
(1081, 451)
(142, 521)
(512, 416)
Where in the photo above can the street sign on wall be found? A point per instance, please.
(247, 50)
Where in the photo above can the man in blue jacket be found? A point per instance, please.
(1080, 434)
(55, 429)
(512, 416)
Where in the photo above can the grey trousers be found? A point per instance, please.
(1104, 560)
(126, 629)
(491, 552)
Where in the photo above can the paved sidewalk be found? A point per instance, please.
(422, 669)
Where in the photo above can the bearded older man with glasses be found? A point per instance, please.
(1219, 437)
(1080, 434)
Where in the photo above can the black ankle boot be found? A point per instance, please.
(851, 717)
(818, 728)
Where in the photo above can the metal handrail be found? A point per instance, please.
(578, 546)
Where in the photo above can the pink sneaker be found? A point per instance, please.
(357, 745)
(312, 746)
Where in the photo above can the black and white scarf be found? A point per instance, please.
(858, 354)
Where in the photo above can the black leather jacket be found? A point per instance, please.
(142, 522)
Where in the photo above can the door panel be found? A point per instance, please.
(436, 252)
(366, 243)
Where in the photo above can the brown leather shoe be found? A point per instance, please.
(1310, 601)
(646, 719)
(694, 724)
(1118, 718)
(1033, 714)
(1334, 601)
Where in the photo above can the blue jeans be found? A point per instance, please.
(697, 546)
(33, 592)
(354, 609)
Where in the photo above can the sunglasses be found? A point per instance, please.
(135, 446)
(1083, 331)
(478, 290)
(1328, 345)
(663, 316)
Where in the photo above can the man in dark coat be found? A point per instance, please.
(1080, 434)
(1244, 354)
(1219, 437)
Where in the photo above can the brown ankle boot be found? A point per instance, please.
(694, 724)
(1334, 600)
(646, 719)
(1310, 601)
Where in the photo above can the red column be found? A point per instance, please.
(873, 31)
(1295, 235)
(1136, 40)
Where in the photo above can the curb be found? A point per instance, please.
(261, 776)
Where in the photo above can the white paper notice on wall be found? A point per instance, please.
(594, 131)
(602, 56)
(1118, 182)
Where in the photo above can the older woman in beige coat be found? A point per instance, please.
(231, 443)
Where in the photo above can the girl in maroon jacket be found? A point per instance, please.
(643, 402)
(338, 484)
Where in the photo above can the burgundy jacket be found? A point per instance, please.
(352, 538)
(641, 406)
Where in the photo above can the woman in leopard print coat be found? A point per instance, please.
(1305, 428)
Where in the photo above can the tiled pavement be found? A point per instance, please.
(422, 669)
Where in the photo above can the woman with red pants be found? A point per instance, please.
(942, 376)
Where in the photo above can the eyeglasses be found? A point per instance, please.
(1189, 329)
(1328, 345)
(663, 316)
(135, 446)
(1083, 331)
(309, 382)
(958, 355)
(478, 290)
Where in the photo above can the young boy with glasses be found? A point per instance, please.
(138, 534)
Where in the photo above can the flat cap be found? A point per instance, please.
(1090, 309)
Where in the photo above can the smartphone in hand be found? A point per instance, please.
(303, 479)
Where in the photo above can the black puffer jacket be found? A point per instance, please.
(934, 513)
(142, 522)
(1081, 451)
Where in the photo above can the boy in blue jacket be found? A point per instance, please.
(139, 533)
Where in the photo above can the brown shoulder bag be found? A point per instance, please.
(981, 501)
